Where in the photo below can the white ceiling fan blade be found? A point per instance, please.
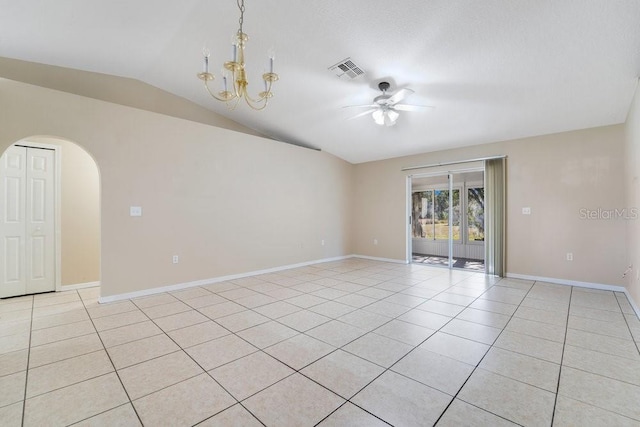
(361, 106)
(398, 96)
(407, 107)
(364, 113)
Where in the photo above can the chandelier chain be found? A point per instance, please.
(241, 20)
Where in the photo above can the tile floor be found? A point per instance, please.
(349, 343)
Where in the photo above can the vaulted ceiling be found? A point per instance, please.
(493, 69)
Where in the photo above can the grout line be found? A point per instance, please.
(26, 375)
(564, 344)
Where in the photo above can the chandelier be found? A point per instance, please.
(234, 71)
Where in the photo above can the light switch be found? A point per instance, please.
(526, 211)
(135, 211)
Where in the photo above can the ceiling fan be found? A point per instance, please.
(385, 108)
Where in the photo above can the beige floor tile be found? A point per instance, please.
(14, 328)
(43, 300)
(470, 292)
(420, 292)
(12, 343)
(504, 295)
(163, 310)
(129, 333)
(154, 300)
(617, 329)
(191, 293)
(378, 349)
(250, 374)
(141, 350)
(60, 319)
(205, 301)
(336, 333)
(233, 416)
(13, 362)
(544, 316)
(537, 329)
(63, 332)
(15, 316)
(299, 351)
(432, 369)
(185, 403)
(596, 314)
(439, 307)
(606, 393)
(242, 320)
(409, 301)
(267, 334)
(494, 306)
(425, 319)
(306, 301)
(197, 334)
(610, 345)
(343, 373)
(457, 299)
(387, 309)
(303, 320)
(352, 416)
(550, 351)
(570, 413)
(484, 317)
(374, 293)
(155, 374)
(607, 365)
(510, 399)
(214, 353)
(239, 293)
(407, 333)
(527, 369)
(122, 416)
(471, 331)
(220, 310)
(461, 414)
(307, 403)
(254, 301)
(277, 309)
(329, 293)
(66, 372)
(220, 286)
(11, 415)
(461, 349)
(76, 402)
(50, 310)
(364, 320)
(356, 300)
(601, 301)
(561, 307)
(111, 309)
(402, 401)
(332, 309)
(65, 349)
(121, 319)
(180, 320)
(12, 388)
(14, 305)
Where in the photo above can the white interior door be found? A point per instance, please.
(27, 223)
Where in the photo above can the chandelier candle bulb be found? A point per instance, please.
(205, 65)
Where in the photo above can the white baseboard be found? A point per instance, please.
(396, 261)
(180, 286)
(589, 285)
(78, 286)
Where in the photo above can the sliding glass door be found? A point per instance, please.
(447, 219)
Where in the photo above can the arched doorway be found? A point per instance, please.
(73, 257)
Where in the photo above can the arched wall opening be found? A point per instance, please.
(78, 200)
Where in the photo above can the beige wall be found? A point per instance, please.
(79, 211)
(632, 156)
(555, 175)
(207, 194)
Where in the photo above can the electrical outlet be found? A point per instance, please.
(135, 211)
(322, 242)
(569, 256)
(175, 259)
(375, 241)
(526, 211)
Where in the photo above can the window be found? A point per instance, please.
(475, 214)
(430, 216)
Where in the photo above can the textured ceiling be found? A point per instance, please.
(494, 69)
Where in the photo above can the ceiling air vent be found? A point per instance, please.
(346, 69)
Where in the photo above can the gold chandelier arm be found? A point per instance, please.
(206, 85)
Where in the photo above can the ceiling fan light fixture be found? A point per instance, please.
(385, 117)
